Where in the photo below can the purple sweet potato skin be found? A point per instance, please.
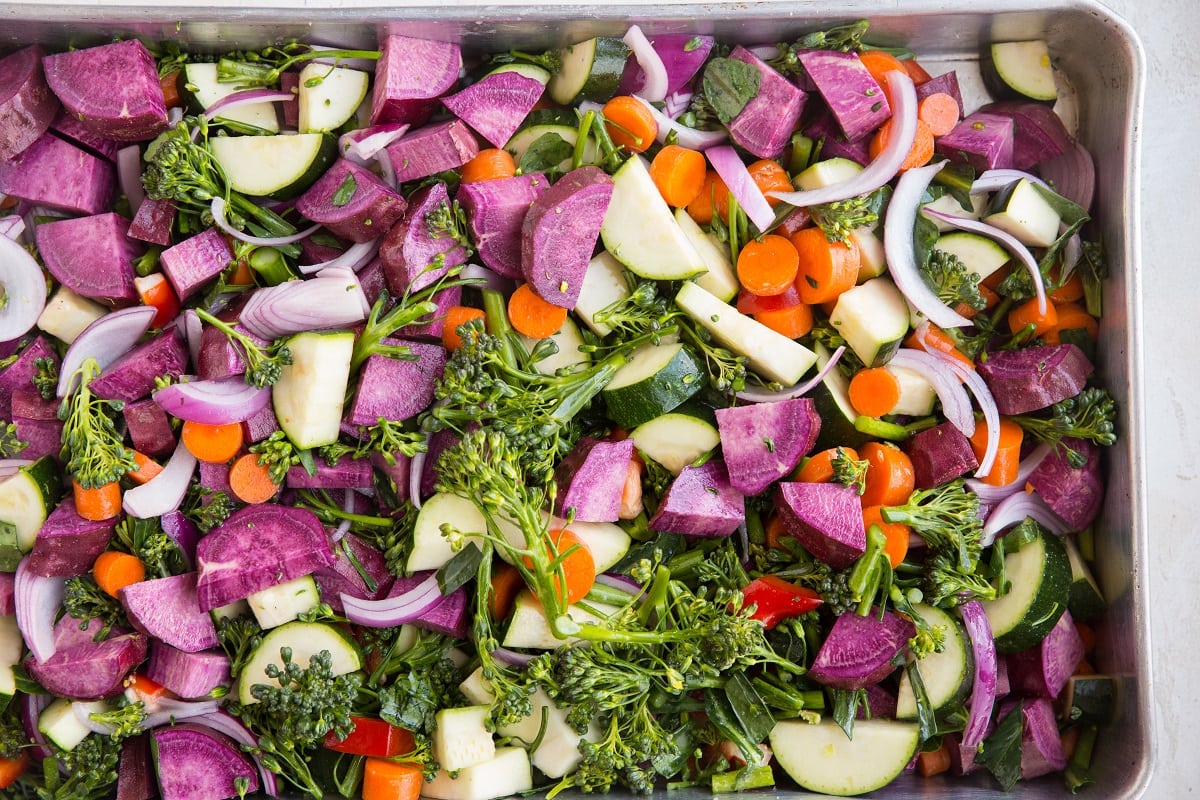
(261, 425)
(149, 428)
(68, 125)
(152, 222)
(258, 547)
(219, 356)
(495, 106)
(851, 93)
(372, 208)
(1043, 670)
(342, 577)
(129, 110)
(1075, 495)
(434, 148)
(880, 702)
(762, 443)
(91, 670)
(1035, 377)
(495, 211)
(27, 106)
(189, 675)
(67, 544)
(408, 250)
(91, 256)
(701, 502)
(395, 389)
(984, 141)
(1041, 748)
(198, 763)
(766, 123)
(858, 651)
(560, 231)
(347, 473)
(135, 775)
(940, 454)
(55, 173)
(194, 261)
(590, 479)
(826, 518)
(131, 377)
(1038, 133)
(411, 75)
(42, 437)
(19, 374)
(166, 610)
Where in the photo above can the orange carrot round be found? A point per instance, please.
(251, 481)
(679, 174)
(1028, 314)
(13, 768)
(97, 503)
(384, 779)
(215, 444)
(939, 111)
(533, 316)
(767, 266)
(1008, 454)
(937, 339)
(578, 565)
(147, 469)
(874, 391)
(1070, 291)
(712, 201)
(506, 583)
(890, 476)
(769, 176)
(895, 533)
(456, 316)
(880, 63)
(933, 762)
(1071, 316)
(490, 164)
(818, 468)
(918, 155)
(792, 322)
(826, 269)
(629, 123)
(113, 571)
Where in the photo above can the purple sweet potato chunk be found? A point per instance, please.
(495, 211)
(683, 54)
(256, 548)
(135, 772)
(409, 250)
(55, 173)
(131, 109)
(347, 473)
(433, 329)
(149, 428)
(261, 425)
(67, 544)
(411, 74)
(858, 651)
(826, 518)
(319, 249)
(72, 128)
(449, 616)
(434, 148)
(762, 443)
(189, 675)
(766, 123)
(1075, 495)
(590, 479)
(397, 470)
(438, 443)
(183, 533)
(1041, 748)
(1038, 132)
(372, 280)
(219, 356)
(394, 389)
(343, 576)
(853, 96)
(560, 232)
(131, 377)
(834, 143)
(371, 208)
(946, 83)
(213, 478)
(166, 609)
(982, 140)
(43, 437)
(962, 758)
(701, 502)
(198, 763)
(1043, 670)
(91, 256)
(1035, 377)
(495, 106)
(70, 632)
(90, 670)
(27, 106)
(881, 704)
(940, 454)
(8, 594)
(153, 222)
(19, 374)
(30, 404)
(194, 261)
(289, 81)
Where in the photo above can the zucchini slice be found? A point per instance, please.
(523, 139)
(1040, 573)
(305, 639)
(309, 396)
(873, 319)
(979, 254)
(279, 167)
(203, 89)
(656, 379)
(947, 675)
(329, 97)
(590, 70)
(676, 439)
(1019, 71)
(1021, 210)
(26, 499)
(821, 759)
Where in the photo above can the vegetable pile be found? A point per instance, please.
(650, 412)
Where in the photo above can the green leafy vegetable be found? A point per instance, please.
(545, 154)
(345, 192)
(1089, 416)
(145, 539)
(727, 86)
(45, 380)
(1001, 752)
(10, 443)
(94, 451)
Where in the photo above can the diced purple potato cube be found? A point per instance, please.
(149, 428)
(939, 455)
(219, 356)
(195, 261)
(369, 210)
(343, 576)
(261, 425)
(71, 127)
(197, 762)
(434, 148)
(701, 502)
(559, 234)
(27, 105)
(395, 389)
(983, 141)
(433, 329)
(153, 222)
(410, 76)
(860, 651)
(449, 616)
(19, 374)
(166, 610)
(71, 632)
(1043, 670)
(412, 257)
(438, 443)
(373, 281)
(214, 478)
(850, 92)
(319, 249)
(682, 54)
(946, 83)
(881, 704)
(1003, 683)
(43, 437)
(131, 109)
(67, 544)
(1034, 378)
(497, 105)
(91, 256)
(135, 771)
(30, 404)
(762, 443)
(1038, 132)
(90, 670)
(289, 81)
(189, 675)
(765, 124)
(55, 173)
(495, 211)
(1041, 747)
(590, 480)
(396, 470)
(347, 473)
(131, 377)
(826, 518)
(183, 532)
(1074, 495)
(962, 758)
(834, 143)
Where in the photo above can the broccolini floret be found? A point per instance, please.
(947, 518)
(952, 281)
(263, 364)
(94, 450)
(1088, 415)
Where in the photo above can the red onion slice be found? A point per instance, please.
(416, 473)
(990, 494)
(491, 280)
(105, 340)
(24, 290)
(10, 466)
(165, 491)
(1014, 509)
(741, 185)
(220, 401)
(983, 689)
(364, 144)
(956, 405)
(245, 98)
(231, 726)
(129, 175)
(903, 96)
(684, 136)
(354, 257)
(512, 657)
(168, 709)
(677, 102)
(12, 227)
(1073, 175)
(402, 608)
(219, 207)
(30, 708)
(654, 87)
(194, 329)
(314, 304)
(993, 180)
(38, 600)
(899, 222)
(758, 395)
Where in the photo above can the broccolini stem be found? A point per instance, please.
(495, 314)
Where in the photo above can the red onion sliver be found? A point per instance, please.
(654, 87)
(741, 185)
(165, 491)
(1073, 175)
(171, 709)
(402, 608)
(757, 395)
(10, 466)
(220, 401)
(677, 102)
(24, 290)
(218, 213)
(511, 657)
(12, 227)
(990, 494)
(622, 583)
(231, 726)
(247, 97)
(684, 136)
(983, 690)
(38, 600)
(30, 708)
(956, 405)
(1014, 509)
(105, 340)
(129, 175)
(993, 180)
(194, 328)
(314, 304)
(416, 473)
(364, 144)
(903, 95)
(491, 280)
(354, 257)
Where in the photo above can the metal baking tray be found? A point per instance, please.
(1096, 53)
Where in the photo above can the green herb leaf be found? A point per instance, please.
(748, 706)
(845, 708)
(345, 192)
(460, 569)
(1001, 752)
(728, 85)
(545, 154)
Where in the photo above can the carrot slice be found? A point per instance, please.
(391, 780)
(456, 316)
(215, 444)
(1008, 454)
(896, 534)
(826, 269)
(630, 124)
(874, 391)
(251, 481)
(890, 476)
(679, 174)
(114, 571)
(792, 321)
(147, 469)
(769, 176)
(97, 503)
(490, 164)
(1028, 314)
(533, 316)
(767, 266)
(939, 111)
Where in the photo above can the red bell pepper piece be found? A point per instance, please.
(775, 599)
(372, 737)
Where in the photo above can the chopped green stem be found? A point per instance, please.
(495, 310)
(249, 74)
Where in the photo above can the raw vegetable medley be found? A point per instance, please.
(644, 413)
